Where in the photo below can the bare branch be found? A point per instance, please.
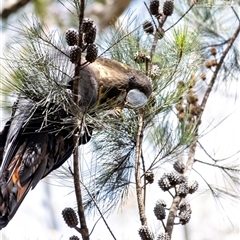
(14, 7)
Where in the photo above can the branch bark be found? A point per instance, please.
(141, 207)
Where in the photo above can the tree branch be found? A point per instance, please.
(141, 207)
(9, 9)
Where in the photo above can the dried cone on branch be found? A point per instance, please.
(71, 37)
(92, 52)
(145, 233)
(154, 6)
(74, 238)
(179, 166)
(163, 236)
(70, 217)
(159, 211)
(87, 24)
(168, 8)
(75, 54)
(148, 27)
(90, 36)
(213, 51)
(149, 176)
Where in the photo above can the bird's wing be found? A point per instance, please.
(29, 155)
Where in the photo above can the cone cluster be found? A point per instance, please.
(188, 109)
(88, 31)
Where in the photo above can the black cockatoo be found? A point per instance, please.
(29, 151)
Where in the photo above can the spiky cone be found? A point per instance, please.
(74, 237)
(87, 24)
(168, 8)
(174, 178)
(162, 202)
(149, 175)
(163, 236)
(75, 53)
(159, 211)
(192, 187)
(164, 183)
(179, 166)
(145, 233)
(182, 190)
(71, 36)
(184, 217)
(90, 36)
(148, 27)
(154, 7)
(70, 217)
(185, 207)
(92, 52)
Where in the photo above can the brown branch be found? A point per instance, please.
(76, 177)
(9, 9)
(192, 147)
(141, 207)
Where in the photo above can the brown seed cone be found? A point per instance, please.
(74, 238)
(70, 217)
(163, 236)
(87, 24)
(192, 99)
(92, 52)
(90, 36)
(75, 54)
(179, 107)
(192, 187)
(148, 27)
(168, 8)
(71, 36)
(154, 5)
(149, 176)
(193, 109)
(179, 166)
(214, 62)
(145, 233)
(208, 64)
(203, 76)
(159, 211)
(213, 51)
(181, 116)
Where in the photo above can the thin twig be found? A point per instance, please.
(8, 10)
(141, 207)
(181, 17)
(99, 210)
(218, 166)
